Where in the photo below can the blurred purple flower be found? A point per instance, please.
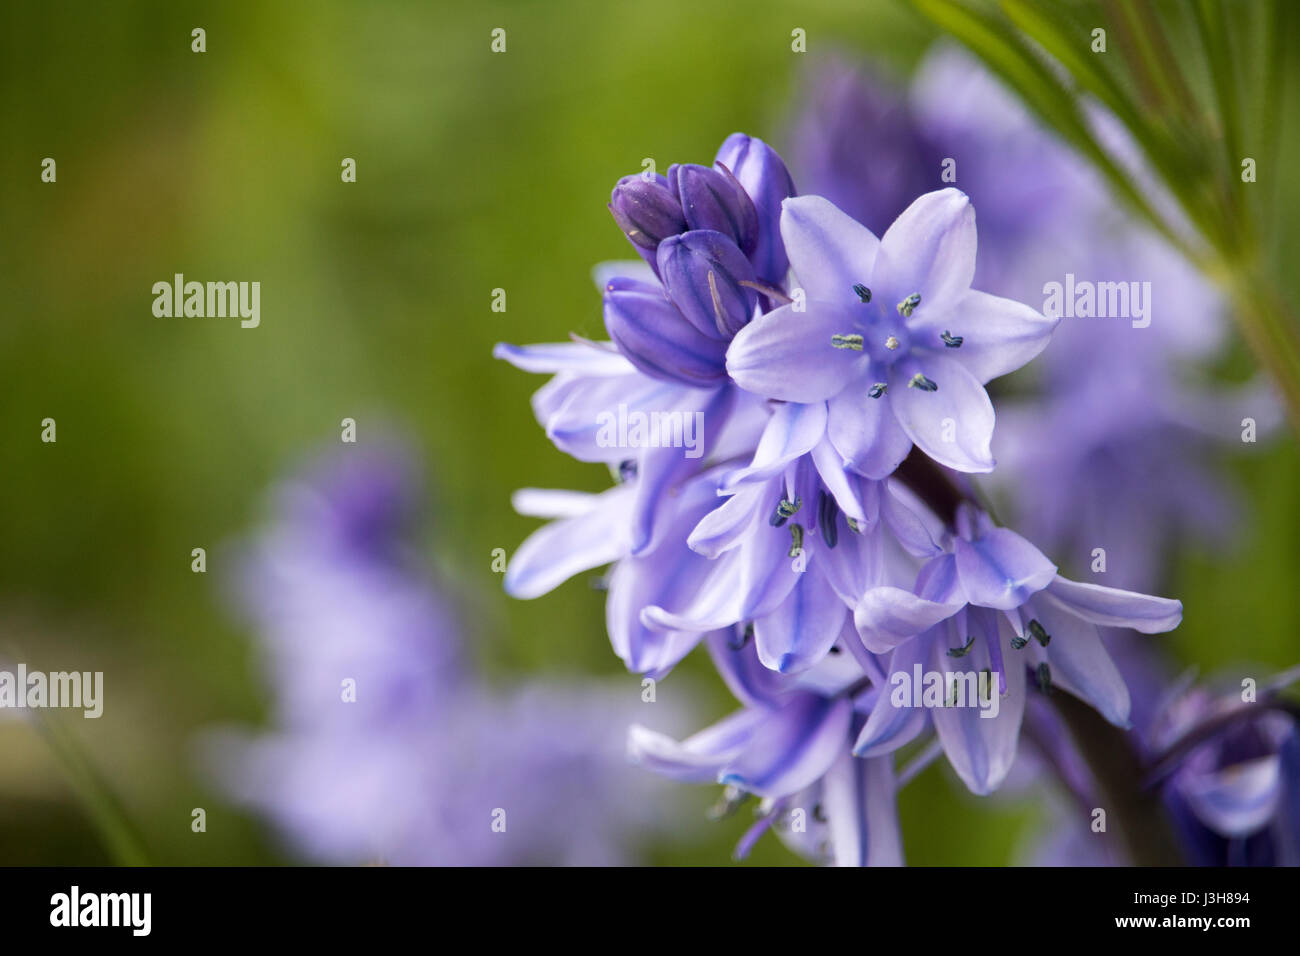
(385, 745)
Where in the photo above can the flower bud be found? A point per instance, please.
(647, 212)
(713, 199)
(703, 271)
(655, 337)
(763, 176)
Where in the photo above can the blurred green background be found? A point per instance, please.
(475, 171)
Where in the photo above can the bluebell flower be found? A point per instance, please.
(790, 746)
(891, 336)
(993, 602)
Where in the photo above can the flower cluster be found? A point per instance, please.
(822, 536)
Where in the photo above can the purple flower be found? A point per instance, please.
(790, 746)
(993, 602)
(892, 337)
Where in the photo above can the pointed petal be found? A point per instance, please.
(954, 424)
(1112, 607)
(586, 357)
(828, 250)
(792, 747)
(557, 551)
(865, 431)
(804, 626)
(553, 502)
(727, 525)
(696, 759)
(831, 470)
(998, 335)
(764, 177)
(930, 249)
(907, 526)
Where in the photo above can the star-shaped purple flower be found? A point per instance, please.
(889, 334)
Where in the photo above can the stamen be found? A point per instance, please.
(908, 305)
(877, 390)
(853, 525)
(863, 292)
(1039, 633)
(785, 509)
(891, 343)
(1044, 677)
(827, 511)
(847, 342)
(1018, 642)
(924, 384)
(964, 649)
(950, 340)
(796, 540)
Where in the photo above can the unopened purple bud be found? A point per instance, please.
(714, 199)
(646, 210)
(763, 176)
(655, 337)
(703, 271)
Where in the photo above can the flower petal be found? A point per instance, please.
(551, 357)
(658, 340)
(802, 629)
(930, 249)
(788, 355)
(865, 431)
(1112, 607)
(998, 335)
(763, 175)
(981, 748)
(887, 616)
(697, 759)
(953, 424)
(1080, 662)
(791, 747)
(893, 721)
(861, 802)
(1000, 569)
(792, 431)
(557, 551)
(828, 250)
